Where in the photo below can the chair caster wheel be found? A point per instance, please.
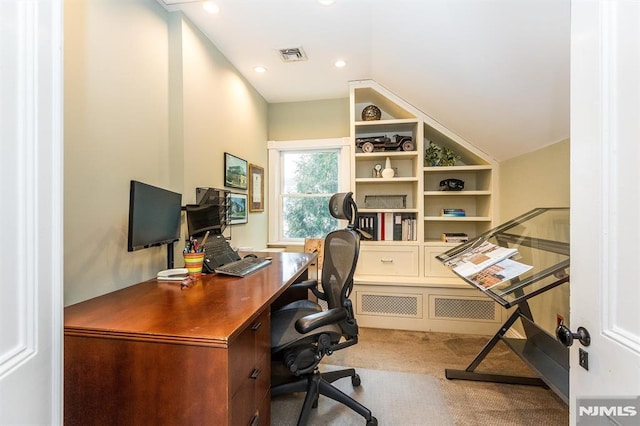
(372, 422)
(355, 381)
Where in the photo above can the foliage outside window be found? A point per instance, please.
(310, 178)
(303, 175)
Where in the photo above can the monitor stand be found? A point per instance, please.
(170, 256)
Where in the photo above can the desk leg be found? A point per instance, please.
(470, 374)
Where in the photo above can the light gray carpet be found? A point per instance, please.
(394, 398)
(468, 403)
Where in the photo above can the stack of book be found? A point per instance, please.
(389, 226)
(455, 237)
(452, 212)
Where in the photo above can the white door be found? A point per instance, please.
(30, 212)
(605, 209)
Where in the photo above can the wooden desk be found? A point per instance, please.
(154, 353)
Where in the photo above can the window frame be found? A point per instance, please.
(275, 149)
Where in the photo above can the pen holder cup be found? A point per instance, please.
(193, 263)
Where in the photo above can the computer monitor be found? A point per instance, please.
(154, 218)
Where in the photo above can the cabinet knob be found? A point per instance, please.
(255, 373)
(383, 260)
(566, 336)
(256, 326)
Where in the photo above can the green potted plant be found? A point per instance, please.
(439, 156)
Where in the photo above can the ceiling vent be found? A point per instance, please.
(293, 54)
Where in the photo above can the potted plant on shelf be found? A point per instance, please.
(439, 156)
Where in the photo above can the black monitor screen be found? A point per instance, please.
(154, 216)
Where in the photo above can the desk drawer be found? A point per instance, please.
(250, 369)
(388, 261)
(432, 266)
(247, 351)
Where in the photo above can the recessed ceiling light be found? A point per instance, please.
(210, 7)
(326, 2)
(260, 69)
(340, 63)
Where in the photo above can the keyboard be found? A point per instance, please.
(243, 267)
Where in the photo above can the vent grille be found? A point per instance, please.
(293, 54)
(464, 308)
(406, 306)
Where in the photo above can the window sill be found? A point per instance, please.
(284, 244)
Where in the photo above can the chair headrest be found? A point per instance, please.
(342, 206)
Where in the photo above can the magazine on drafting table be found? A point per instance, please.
(498, 273)
(487, 265)
(476, 258)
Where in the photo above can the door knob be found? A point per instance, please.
(566, 336)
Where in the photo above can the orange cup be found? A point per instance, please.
(193, 263)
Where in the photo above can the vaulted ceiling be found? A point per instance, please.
(496, 72)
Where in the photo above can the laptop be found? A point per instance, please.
(218, 252)
(221, 258)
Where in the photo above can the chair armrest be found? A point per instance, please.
(313, 321)
(309, 285)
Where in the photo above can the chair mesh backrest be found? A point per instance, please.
(341, 250)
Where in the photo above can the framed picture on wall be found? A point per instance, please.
(237, 208)
(256, 188)
(235, 171)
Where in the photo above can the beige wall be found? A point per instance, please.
(146, 98)
(538, 179)
(309, 120)
(222, 113)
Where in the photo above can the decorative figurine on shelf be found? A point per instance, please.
(388, 171)
(371, 113)
(377, 171)
(440, 156)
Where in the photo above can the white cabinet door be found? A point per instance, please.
(605, 210)
(31, 212)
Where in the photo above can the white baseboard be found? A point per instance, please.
(513, 334)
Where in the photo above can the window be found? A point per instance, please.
(303, 175)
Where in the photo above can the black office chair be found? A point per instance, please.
(302, 333)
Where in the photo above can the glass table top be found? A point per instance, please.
(518, 259)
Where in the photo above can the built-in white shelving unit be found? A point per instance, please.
(399, 283)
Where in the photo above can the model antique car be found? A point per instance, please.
(383, 143)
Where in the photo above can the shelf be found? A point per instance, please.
(439, 243)
(384, 154)
(389, 242)
(446, 169)
(387, 210)
(477, 180)
(455, 193)
(383, 123)
(383, 180)
(365, 93)
(457, 219)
